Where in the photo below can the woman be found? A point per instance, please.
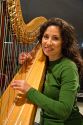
(58, 99)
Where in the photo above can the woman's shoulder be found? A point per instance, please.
(66, 62)
(65, 66)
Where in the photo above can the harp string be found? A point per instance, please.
(7, 45)
(4, 34)
(5, 49)
(13, 105)
(12, 45)
(6, 54)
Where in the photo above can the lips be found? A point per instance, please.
(48, 49)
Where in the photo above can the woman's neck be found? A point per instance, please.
(55, 58)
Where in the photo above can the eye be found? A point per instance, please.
(45, 36)
(55, 38)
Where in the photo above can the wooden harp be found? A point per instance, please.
(13, 110)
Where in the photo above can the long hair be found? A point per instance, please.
(70, 48)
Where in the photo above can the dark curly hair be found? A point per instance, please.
(70, 46)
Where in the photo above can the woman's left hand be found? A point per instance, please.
(20, 85)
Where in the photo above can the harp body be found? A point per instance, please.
(22, 112)
(19, 111)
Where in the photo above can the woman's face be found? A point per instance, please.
(52, 43)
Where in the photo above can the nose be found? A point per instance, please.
(49, 42)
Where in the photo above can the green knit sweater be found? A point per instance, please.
(58, 99)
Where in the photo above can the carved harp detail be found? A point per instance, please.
(24, 32)
(19, 111)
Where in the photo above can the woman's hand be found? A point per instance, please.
(23, 57)
(21, 85)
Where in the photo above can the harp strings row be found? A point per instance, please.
(17, 37)
(10, 49)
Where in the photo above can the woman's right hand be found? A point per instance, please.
(21, 85)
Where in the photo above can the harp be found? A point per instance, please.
(19, 111)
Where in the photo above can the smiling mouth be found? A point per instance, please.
(48, 49)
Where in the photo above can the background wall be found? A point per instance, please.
(70, 10)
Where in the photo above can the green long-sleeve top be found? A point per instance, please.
(58, 99)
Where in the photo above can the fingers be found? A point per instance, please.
(20, 97)
(17, 84)
(20, 85)
(24, 57)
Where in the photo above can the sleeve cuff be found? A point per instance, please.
(30, 93)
